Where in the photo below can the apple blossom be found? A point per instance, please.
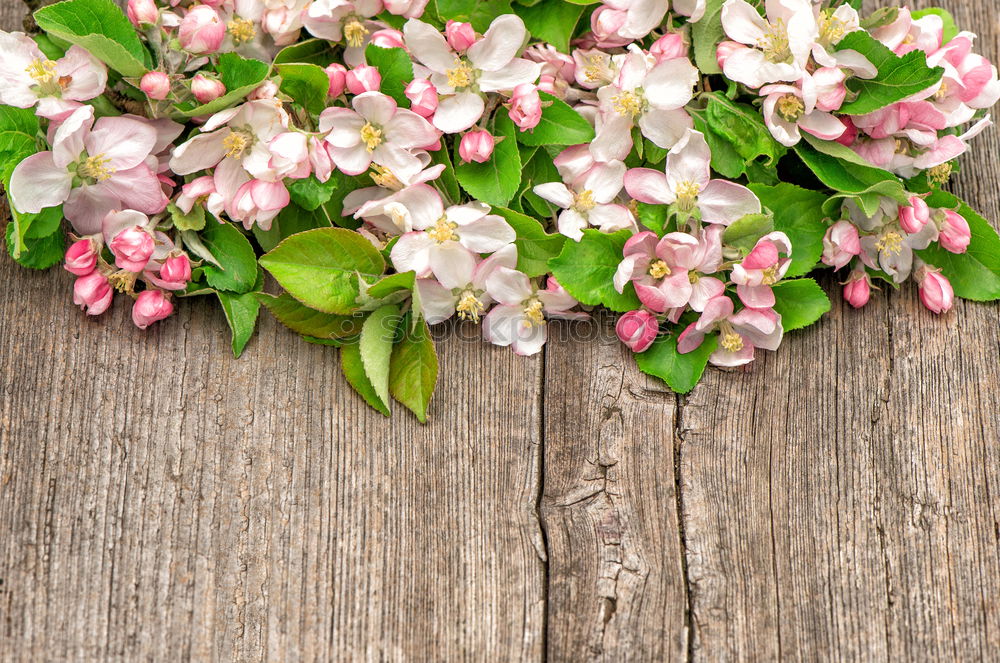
(525, 106)
(155, 84)
(149, 307)
(590, 203)
(461, 286)
(337, 73)
(81, 256)
(739, 333)
(460, 36)
(776, 48)
(935, 290)
(913, 217)
(789, 109)
(174, 272)
(142, 12)
(423, 97)
(93, 293)
(363, 79)
(201, 31)
(518, 319)
(955, 234)
(206, 89)
(476, 146)
(637, 329)
(840, 244)
(133, 247)
(200, 191)
(858, 289)
(343, 20)
(762, 268)
(258, 202)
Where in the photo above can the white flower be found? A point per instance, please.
(590, 203)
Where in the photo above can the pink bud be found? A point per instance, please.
(150, 306)
(176, 269)
(92, 293)
(460, 36)
(724, 50)
(201, 31)
(132, 248)
(363, 79)
(155, 84)
(423, 97)
(525, 106)
(206, 89)
(337, 75)
(850, 131)
(81, 257)
(265, 90)
(858, 289)
(955, 234)
(637, 329)
(476, 146)
(142, 11)
(840, 244)
(912, 219)
(669, 46)
(935, 291)
(387, 38)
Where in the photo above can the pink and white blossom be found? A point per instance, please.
(93, 293)
(637, 329)
(761, 269)
(460, 286)
(590, 202)
(776, 48)
(519, 318)
(739, 333)
(149, 307)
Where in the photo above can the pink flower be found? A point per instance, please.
(460, 36)
(460, 286)
(200, 191)
(589, 201)
(525, 106)
(258, 202)
(363, 79)
(637, 329)
(476, 146)
(955, 233)
(787, 109)
(81, 257)
(156, 85)
(133, 247)
(518, 320)
(669, 46)
(92, 293)
(761, 269)
(376, 131)
(28, 77)
(621, 21)
(142, 11)
(739, 334)
(840, 244)
(297, 155)
(406, 8)
(201, 31)
(175, 272)
(93, 168)
(344, 20)
(337, 73)
(423, 97)
(491, 64)
(913, 218)
(935, 290)
(686, 184)
(150, 306)
(387, 38)
(667, 273)
(777, 48)
(858, 289)
(206, 89)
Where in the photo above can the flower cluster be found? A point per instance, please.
(392, 168)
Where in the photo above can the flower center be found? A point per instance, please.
(659, 269)
(774, 43)
(242, 30)
(630, 104)
(355, 32)
(943, 91)
(731, 341)
(687, 195)
(940, 174)
(890, 243)
(237, 142)
(371, 136)
(583, 202)
(831, 28)
(791, 108)
(461, 75)
(384, 178)
(42, 71)
(469, 307)
(443, 231)
(95, 168)
(123, 280)
(770, 275)
(533, 312)
(594, 71)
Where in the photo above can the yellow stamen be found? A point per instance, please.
(533, 312)
(774, 43)
(384, 178)
(659, 269)
(443, 231)
(594, 71)
(630, 104)
(890, 243)
(355, 32)
(791, 108)
(371, 136)
(687, 195)
(731, 341)
(42, 71)
(771, 275)
(242, 30)
(469, 307)
(461, 75)
(583, 202)
(237, 142)
(943, 91)
(123, 281)
(940, 174)
(95, 168)
(831, 28)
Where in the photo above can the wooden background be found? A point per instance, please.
(840, 500)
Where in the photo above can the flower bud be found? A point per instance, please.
(637, 329)
(724, 50)
(912, 219)
(265, 90)
(476, 146)
(337, 75)
(142, 11)
(133, 248)
(423, 97)
(81, 257)
(201, 31)
(840, 244)
(858, 289)
(387, 38)
(156, 85)
(363, 79)
(669, 46)
(935, 291)
(92, 293)
(955, 234)
(176, 270)
(150, 306)
(525, 106)
(460, 36)
(206, 89)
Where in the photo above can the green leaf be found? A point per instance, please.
(552, 21)
(310, 322)
(681, 372)
(496, 181)
(233, 251)
(950, 27)
(377, 336)
(586, 270)
(478, 12)
(293, 219)
(742, 128)
(744, 232)
(799, 302)
(897, 79)
(974, 274)
(18, 128)
(354, 370)
(653, 217)
(392, 284)
(535, 247)
(539, 169)
(320, 267)
(311, 51)
(38, 252)
(193, 221)
(706, 35)
(306, 84)
(799, 214)
(241, 314)
(100, 27)
(413, 369)
(396, 69)
(241, 76)
(309, 193)
(559, 125)
(446, 182)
